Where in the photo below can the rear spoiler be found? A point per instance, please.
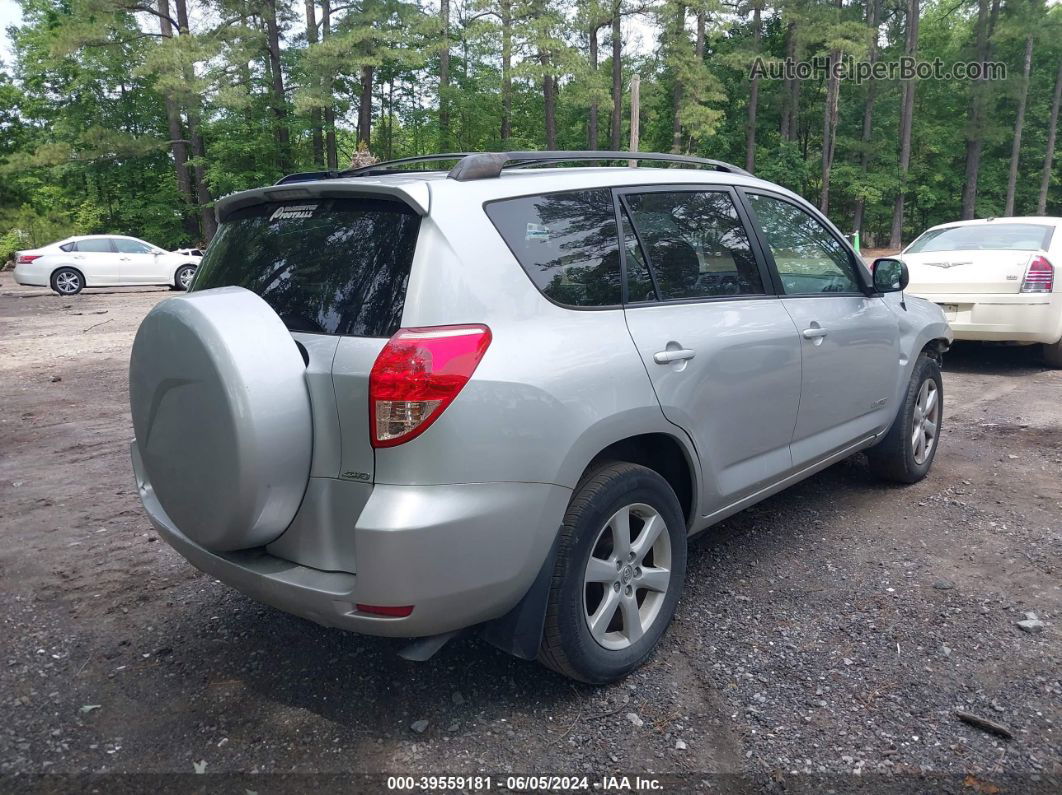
(415, 195)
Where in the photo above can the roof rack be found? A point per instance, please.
(384, 167)
(488, 165)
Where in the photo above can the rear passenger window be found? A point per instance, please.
(696, 244)
(566, 243)
(95, 245)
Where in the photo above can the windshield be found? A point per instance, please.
(996, 237)
(326, 266)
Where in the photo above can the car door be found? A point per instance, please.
(721, 351)
(137, 261)
(849, 341)
(97, 259)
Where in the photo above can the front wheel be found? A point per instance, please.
(907, 451)
(182, 280)
(620, 567)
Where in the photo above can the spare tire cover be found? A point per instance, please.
(217, 388)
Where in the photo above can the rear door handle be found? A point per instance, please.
(814, 333)
(666, 357)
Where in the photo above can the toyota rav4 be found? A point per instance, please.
(410, 403)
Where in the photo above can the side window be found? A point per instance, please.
(639, 283)
(97, 245)
(566, 243)
(696, 244)
(67, 247)
(126, 246)
(810, 260)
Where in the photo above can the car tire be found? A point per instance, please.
(1053, 355)
(67, 281)
(908, 449)
(182, 279)
(630, 619)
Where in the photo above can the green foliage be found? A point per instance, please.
(88, 102)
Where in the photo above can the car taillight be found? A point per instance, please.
(1040, 277)
(417, 375)
(26, 259)
(386, 610)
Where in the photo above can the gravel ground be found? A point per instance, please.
(833, 630)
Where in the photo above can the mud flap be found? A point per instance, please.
(519, 632)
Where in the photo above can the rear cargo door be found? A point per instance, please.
(335, 271)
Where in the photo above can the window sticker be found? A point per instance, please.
(537, 232)
(293, 211)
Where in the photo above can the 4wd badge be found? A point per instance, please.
(293, 211)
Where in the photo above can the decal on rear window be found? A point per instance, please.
(537, 232)
(293, 211)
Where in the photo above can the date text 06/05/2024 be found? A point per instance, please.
(613, 783)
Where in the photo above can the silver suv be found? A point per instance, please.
(409, 403)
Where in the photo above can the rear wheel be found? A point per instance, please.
(67, 281)
(1053, 355)
(620, 567)
(907, 451)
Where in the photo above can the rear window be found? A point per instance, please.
(331, 266)
(996, 237)
(566, 243)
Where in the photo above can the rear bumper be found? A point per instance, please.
(460, 554)
(1016, 317)
(31, 275)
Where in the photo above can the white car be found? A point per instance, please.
(994, 278)
(72, 264)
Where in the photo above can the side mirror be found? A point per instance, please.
(890, 275)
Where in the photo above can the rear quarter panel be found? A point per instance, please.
(556, 386)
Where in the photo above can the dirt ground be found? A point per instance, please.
(833, 630)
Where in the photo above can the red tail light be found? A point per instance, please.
(1040, 277)
(386, 610)
(26, 259)
(417, 375)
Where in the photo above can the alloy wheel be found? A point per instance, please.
(627, 576)
(926, 421)
(67, 283)
(184, 278)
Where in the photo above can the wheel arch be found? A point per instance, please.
(663, 454)
(519, 632)
(936, 348)
(67, 266)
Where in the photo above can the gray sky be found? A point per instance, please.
(10, 14)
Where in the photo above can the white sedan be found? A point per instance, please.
(70, 265)
(994, 278)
